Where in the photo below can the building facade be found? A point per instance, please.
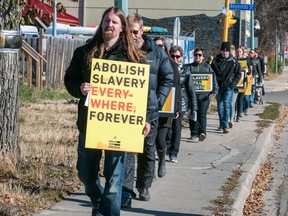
(89, 12)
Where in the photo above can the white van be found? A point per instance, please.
(29, 31)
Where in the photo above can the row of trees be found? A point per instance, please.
(273, 16)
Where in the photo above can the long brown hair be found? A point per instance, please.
(164, 45)
(96, 46)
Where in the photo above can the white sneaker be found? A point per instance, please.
(173, 159)
(202, 137)
(194, 139)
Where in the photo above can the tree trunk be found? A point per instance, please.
(9, 104)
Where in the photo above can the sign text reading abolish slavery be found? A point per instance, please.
(118, 69)
(116, 97)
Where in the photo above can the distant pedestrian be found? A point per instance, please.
(210, 59)
(234, 94)
(189, 101)
(228, 74)
(198, 127)
(241, 91)
(165, 123)
(255, 66)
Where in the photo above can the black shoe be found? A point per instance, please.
(144, 194)
(225, 130)
(219, 129)
(126, 202)
(161, 170)
(95, 211)
(161, 163)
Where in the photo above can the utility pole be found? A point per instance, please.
(276, 52)
(54, 33)
(252, 26)
(122, 4)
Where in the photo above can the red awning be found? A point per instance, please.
(44, 9)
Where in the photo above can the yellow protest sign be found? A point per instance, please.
(203, 82)
(117, 105)
(168, 108)
(241, 85)
(248, 90)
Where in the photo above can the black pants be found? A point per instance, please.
(239, 103)
(161, 141)
(146, 163)
(199, 126)
(176, 135)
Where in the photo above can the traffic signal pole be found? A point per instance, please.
(225, 22)
(228, 21)
(252, 26)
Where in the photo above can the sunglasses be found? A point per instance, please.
(161, 45)
(197, 54)
(135, 32)
(175, 56)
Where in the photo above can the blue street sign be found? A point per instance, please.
(241, 7)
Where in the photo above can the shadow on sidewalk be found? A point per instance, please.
(157, 213)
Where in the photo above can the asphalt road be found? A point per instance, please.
(279, 96)
(276, 199)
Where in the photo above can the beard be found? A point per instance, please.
(108, 34)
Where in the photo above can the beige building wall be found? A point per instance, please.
(153, 9)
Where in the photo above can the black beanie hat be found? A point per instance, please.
(225, 46)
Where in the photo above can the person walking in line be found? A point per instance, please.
(228, 74)
(160, 84)
(210, 59)
(189, 101)
(198, 127)
(232, 117)
(255, 67)
(112, 41)
(165, 123)
(241, 92)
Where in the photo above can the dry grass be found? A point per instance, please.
(271, 76)
(46, 172)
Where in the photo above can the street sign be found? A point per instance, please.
(250, 7)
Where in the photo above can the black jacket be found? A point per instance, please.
(228, 71)
(255, 65)
(195, 68)
(161, 76)
(79, 72)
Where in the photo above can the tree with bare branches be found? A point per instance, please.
(273, 16)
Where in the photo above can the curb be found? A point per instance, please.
(264, 143)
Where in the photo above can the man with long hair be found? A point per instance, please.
(111, 41)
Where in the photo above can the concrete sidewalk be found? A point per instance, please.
(202, 168)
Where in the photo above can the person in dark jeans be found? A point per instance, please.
(112, 41)
(160, 84)
(228, 74)
(189, 101)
